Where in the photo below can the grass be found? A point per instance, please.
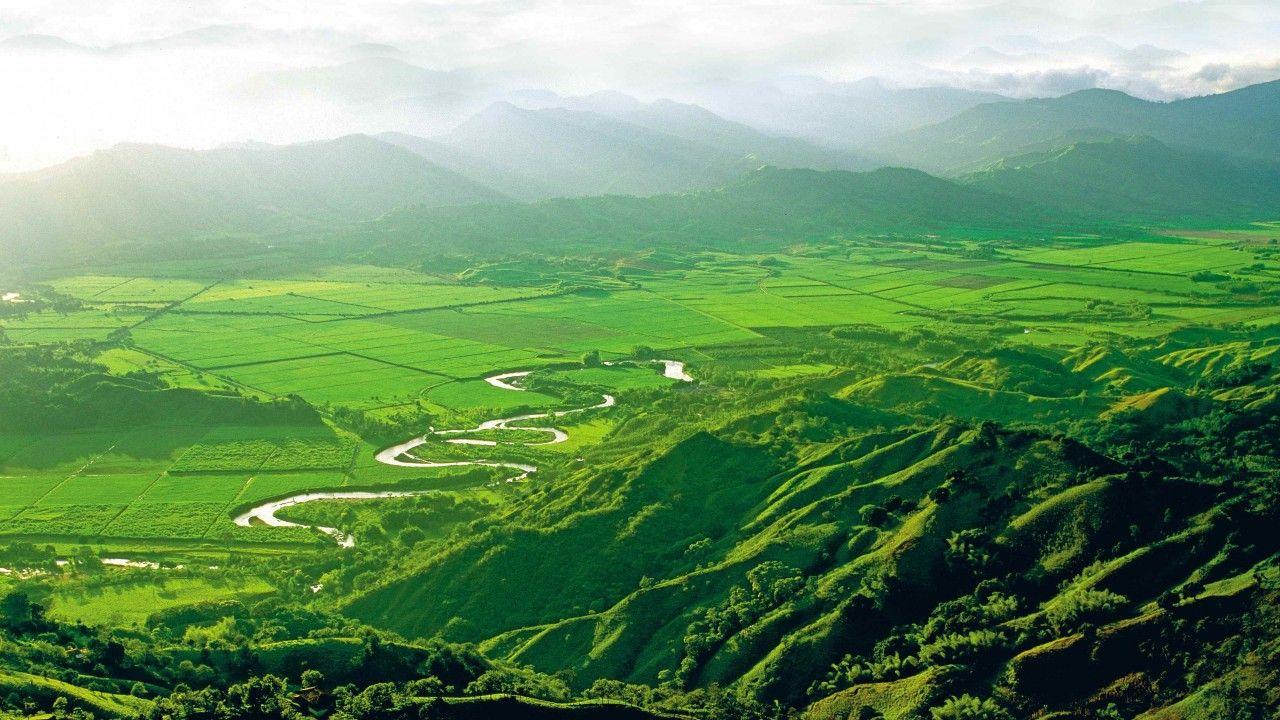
(128, 604)
(172, 482)
(471, 394)
(807, 442)
(615, 378)
(47, 689)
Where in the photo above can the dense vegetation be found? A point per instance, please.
(990, 448)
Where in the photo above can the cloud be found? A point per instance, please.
(1036, 83)
(1219, 77)
(156, 70)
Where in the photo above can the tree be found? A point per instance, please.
(1083, 608)
(263, 697)
(410, 536)
(968, 707)
(19, 613)
(312, 678)
(873, 515)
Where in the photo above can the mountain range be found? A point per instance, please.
(1243, 123)
(1138, 178)
(1089, 158)
(764, 209)
(149, 192)
(648, 149)
(850, 116)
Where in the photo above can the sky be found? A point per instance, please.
(79, 75)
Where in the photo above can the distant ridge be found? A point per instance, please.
(765, 208)
(152, 192)
(1243, 123)
(637, 150)
(1138, 178)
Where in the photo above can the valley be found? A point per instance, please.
(645, 361)
(849, 419)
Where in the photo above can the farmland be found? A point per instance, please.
(419, 343)
(853, 402)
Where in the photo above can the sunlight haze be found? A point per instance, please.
(88, 75)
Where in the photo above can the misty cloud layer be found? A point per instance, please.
(80, 75)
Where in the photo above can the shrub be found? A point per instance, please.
(968, 707)
(1082, 608)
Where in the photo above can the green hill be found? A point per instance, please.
(1240, 123)
(764, 209)
(156, 193)
(573, 152)
(1138, 178)
(44, 690)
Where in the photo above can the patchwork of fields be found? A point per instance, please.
(102, 490)
(162, 482)
(343, 336)
(369, 344)
(186, 482)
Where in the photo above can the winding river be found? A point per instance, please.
(403, 455)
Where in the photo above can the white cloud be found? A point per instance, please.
(156, 70)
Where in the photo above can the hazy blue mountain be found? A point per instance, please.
(1244, 123)
(613, 143)
(767, 208)
(850, 116)
(575, 152)
(153, 192)
(41, 43)
(697, 124)
(514, 184)
(1138, 178)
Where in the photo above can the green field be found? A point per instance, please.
(132, 603)
(377, 344)
(868, 415)
(387, 341)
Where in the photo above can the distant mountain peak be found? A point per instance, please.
(38, 42)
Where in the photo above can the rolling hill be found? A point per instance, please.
(151, 192)
(767, 208)
(697, 124)
(1241, 123)
(635, 150)
(1140, 179)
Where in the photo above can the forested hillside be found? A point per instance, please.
(1139, 178)
(149, 193)
(1238, 123)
